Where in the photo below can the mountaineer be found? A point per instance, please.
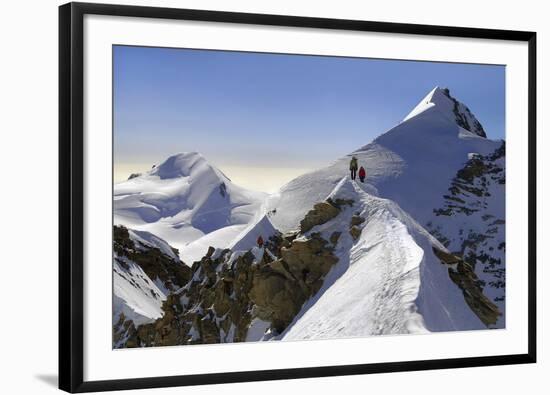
(353, 167)
(362, 174)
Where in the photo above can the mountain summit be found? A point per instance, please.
(440, 100)
(412, 164)
(181, 165)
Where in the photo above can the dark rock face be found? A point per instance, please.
(356, 220)
(460, 111)
(276, 295)
(463, 275)
(334, 237)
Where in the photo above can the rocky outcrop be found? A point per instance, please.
(227, 291)
(124, 331)
(355, 232)
(321, 213)
(309, 260)
(354, 228)
(157, 265)
(463, 275)
(277, 296)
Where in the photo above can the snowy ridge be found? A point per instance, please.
(388, 282)
(399, 165)
(425, 104)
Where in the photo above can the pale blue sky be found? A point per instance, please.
(272, 111)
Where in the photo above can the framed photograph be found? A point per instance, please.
(251, 197)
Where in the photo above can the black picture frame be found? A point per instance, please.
(71, 197)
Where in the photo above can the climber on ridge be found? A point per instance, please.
(362, 174)
(260, 241)
(353, 167)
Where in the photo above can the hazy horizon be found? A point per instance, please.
(264, 119)
(265, 179)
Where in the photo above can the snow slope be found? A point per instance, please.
(183, 200)
(145, 271)
(135, 294)
(411, 164)
(386, 282)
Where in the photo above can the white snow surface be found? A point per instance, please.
(135, 294)
(411, 164)
(184, 199)
(386, 282)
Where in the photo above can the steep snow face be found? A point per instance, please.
(145, 271)
(440, 100)
(411, 164)
(248, 237)
(388, 281)
(184, 199)
(138, 296)
(135, 294)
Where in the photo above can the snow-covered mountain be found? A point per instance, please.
(419, 247)
(188, 203)
(411, 164)
(363, 267)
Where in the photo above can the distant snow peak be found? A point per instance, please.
(440, 99)
(187, 202)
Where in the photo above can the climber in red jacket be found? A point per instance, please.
(260, 241)
(362, 174)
